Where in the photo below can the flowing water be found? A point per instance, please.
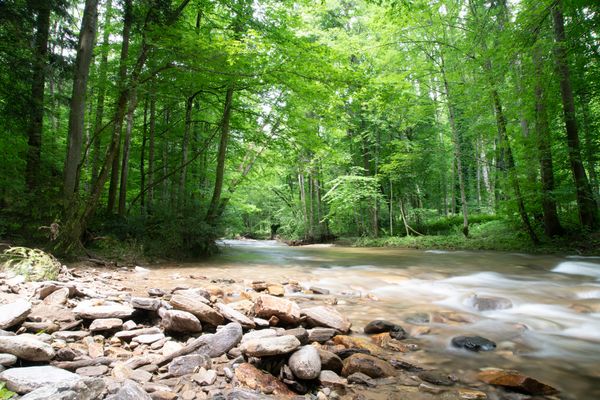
(551, 332)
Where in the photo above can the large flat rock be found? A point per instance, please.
(27, 379)
(81, 389)
(26, 347)
(92, 309)
(14, 313)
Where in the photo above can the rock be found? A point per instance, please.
(122, 372)
(405, 365)
(513, 380)
(145, 303)
(14, 313)
(361, 379)
(27, 379)
(385, 341)
(205, 377)
(368, 365)
(381, 326)
(94, 370)
(26, 347)
(417, 318)
(128, 335)
(275, 289)
(252, 377)
(156, 292)
(203, 312)
(270, 346)
(181, 321)
(224, 340)
(80, 389)
(437, 378)
(300, 333)
(318, 290)
(106, 324)
(330, 361)
(488, 303)
(285, 310)
(6, 360)
(327, 317)
(188, 364)
(305, 363)
(58, 297)
(320, 335)
(129, 325)
(130, 390)
(259, 334)
(92, 309)
(429, 388)
(70, 336)
(243, 306)
(259, 286)
(332, 380)
(355, 342)
(235, 316)
(471, 394)
(66, 354)
(473, 343)
(148, 339)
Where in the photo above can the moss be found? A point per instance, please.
(33, 264)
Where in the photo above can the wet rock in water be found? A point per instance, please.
(381, 326)
(130, 390)
(252, 377)
(488, 303)
(226, 338)
(417, 318)
(145, 303)
(473, 343)
(106, 324)
(405, 365)
(328, 317)
(187, 364)
(361, 379)
(354, 342)
(305, 363)
(437, 378)
(368, 365)
(205, 377)
(6, 360)
(235, 316)
(320, 335)
(300, 333)
(275, 290)
(516, 381)
(93, 309)
(81, 389)
(330, 361)
(203, 312)
(318, 290)
(270, 346)
(27, 379)
(26, 347)
(286, 311)
(180, 321)
(14, 313)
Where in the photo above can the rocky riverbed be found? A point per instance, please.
(90, 335)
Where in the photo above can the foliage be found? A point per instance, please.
(5, 394)
(33, 264)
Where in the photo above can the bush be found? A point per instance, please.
(34, 264)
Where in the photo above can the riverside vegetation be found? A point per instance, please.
(159, 126)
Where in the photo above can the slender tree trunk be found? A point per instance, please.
(125, 161)
(36, 118)
(184, 147)
(102, 72)
(77, 114)
(588, 213)
(143, 159)
(552, 225)
(213, 208)
(151, 152)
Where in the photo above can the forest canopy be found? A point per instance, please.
(168, 124)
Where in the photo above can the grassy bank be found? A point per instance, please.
(495, 235)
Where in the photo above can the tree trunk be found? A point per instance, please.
(143, 158)
(36, 119)
(77, 114)
(212, 212)
(102, 72)
(552, 225)
(588, 213)
(189, 103)
(151, 152)
(126, 147)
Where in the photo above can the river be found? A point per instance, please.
(551, 331)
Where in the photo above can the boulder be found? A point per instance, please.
(286, 311)
(27, 379)
(235, 316)
(516, 381)
(381, 326)
(92, 309)
(188, 364)
(305, 363)
(328, 317)
(14, 313)
(106, 324)
(80, 389)
(368, 365)
(255, 379)
(180, 321)
(473, 343)
(270, 346)
(26, 347)
(203, 312)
